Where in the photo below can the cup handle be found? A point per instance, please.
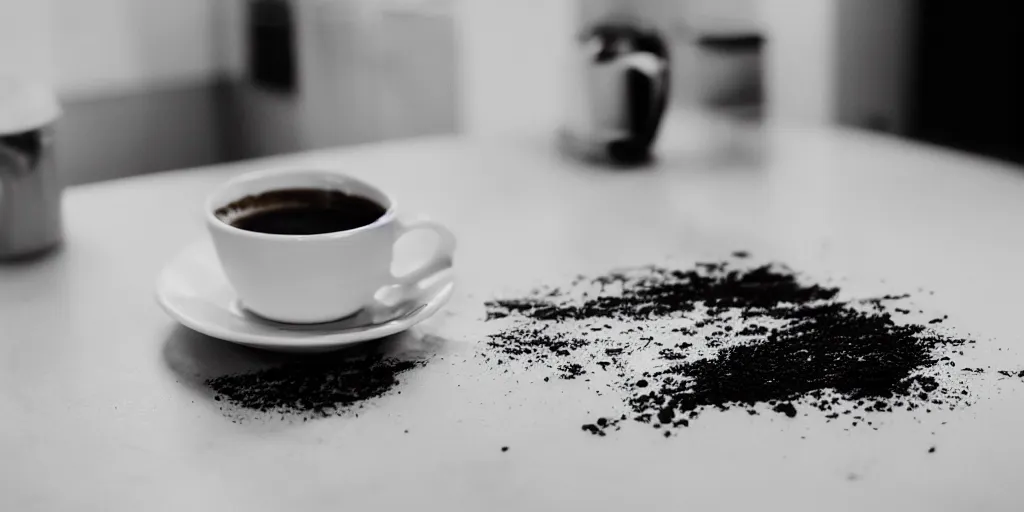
(439, 261)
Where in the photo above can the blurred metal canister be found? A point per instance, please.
(30, 189)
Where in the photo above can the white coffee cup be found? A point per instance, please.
(320, 277)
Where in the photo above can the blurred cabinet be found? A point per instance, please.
(378, 70)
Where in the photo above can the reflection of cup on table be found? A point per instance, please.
(30, 190)
(312, 246)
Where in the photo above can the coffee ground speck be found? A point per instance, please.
(785, 408)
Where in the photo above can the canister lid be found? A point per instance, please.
(26, 105)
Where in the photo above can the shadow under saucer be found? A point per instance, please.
(200, 361)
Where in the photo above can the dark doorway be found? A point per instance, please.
(968, 91)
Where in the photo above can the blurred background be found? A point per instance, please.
(151, 85)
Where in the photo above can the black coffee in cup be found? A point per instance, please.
(301, 211)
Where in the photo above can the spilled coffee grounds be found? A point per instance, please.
(324, 386)
(678, 343)
(674, 344)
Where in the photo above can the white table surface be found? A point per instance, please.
(102, 405)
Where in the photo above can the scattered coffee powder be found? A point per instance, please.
(720, 335)
(675, 344)
(327, 385)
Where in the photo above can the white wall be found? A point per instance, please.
(840, 61)
(801, 73)
(512, 74)
(91, 48)
(95, 48)
(512, 56)
(369, 70)
(228, 37)
(25, 45)
(801, 68)
(104, 47)
(874, 39)
(511, 50)
(374, 70)
(827, 61)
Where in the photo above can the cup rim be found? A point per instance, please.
(216, 223)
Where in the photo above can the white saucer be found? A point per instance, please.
(193, 290)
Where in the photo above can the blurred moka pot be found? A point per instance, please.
(619, 87)
(30, 190)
